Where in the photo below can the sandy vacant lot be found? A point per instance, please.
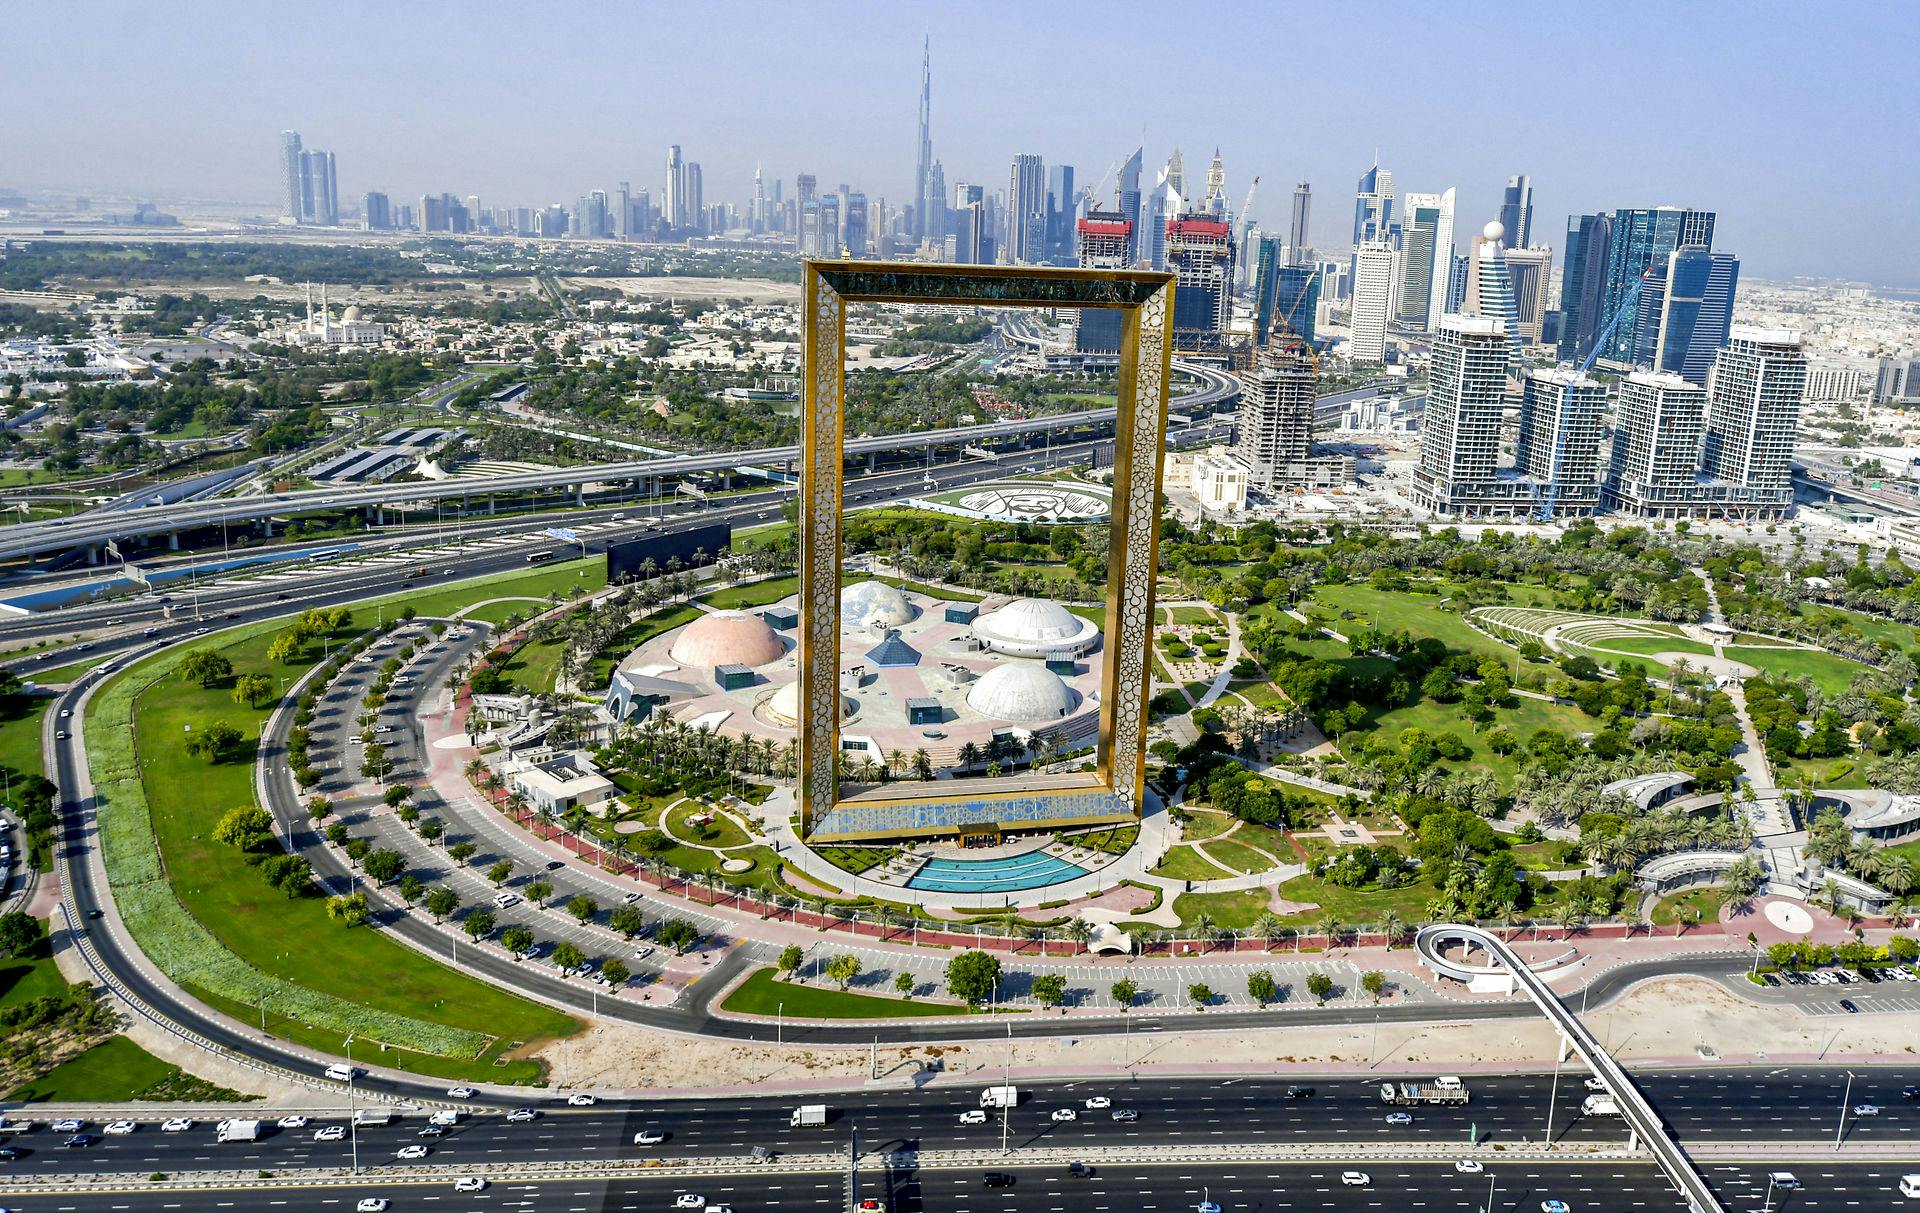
(1665, 1021)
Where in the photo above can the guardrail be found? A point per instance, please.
(1635, 1109)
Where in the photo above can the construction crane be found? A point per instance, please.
(1627, 301)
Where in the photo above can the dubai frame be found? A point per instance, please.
(1115, 790)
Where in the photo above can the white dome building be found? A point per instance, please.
(867, 603)
(1035, 627)
(1021, 692)
(784, 706)
(727, 638)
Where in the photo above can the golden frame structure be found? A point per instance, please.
(1116, 789)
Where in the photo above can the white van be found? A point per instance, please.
(341, 1072)
(445, 1117)
(1786, 1181)
(1910, 1186)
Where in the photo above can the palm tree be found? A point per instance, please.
(886, 916)
(1266, 927)
(1392, 927)
(1332, 927)
(1203, 926)
(1080, 931)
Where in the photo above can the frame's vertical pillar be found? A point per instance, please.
(1140, 426)
(822, 338)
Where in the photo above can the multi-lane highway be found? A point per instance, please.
(58, 534)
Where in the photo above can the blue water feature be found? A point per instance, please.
(88, 591)
(1007, 874)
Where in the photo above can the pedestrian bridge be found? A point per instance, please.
(1432, 943)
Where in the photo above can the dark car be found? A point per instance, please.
(1846, 1004)
(1079, 1170)
(554, 865)
(1871, 975)
(79, 1141)
(1299, 1092)
(1910, 1092)
(998, 1179)
(9, 1153)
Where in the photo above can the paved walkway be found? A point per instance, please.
(1218, 686)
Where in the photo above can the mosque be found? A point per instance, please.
(916, 673)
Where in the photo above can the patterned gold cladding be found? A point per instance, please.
(1140, 424)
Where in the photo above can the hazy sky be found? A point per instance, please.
(1798, 122)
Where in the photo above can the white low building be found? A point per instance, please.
(556, 781)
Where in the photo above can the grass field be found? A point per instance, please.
(20, 732)
(589, 575)
(758, 593)
(1524, 717)
(1831, 674)
(1184, 863)
(1355, 907)
(1239, 858)
(764, 994)
(535, 665)
(1844, 772)
(496, 613)
(117, 1070)
(1205, 823)
(1192, 616)
(1897, 634)
(293, 939)
(720, 832)
(1235, 911)
(1676, 908)
(1649, 645)
(25, 978)
(635, 634)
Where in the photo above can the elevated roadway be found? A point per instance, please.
(87, 530)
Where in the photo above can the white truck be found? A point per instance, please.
(808, 1116)
(1599, 1105)
(237, 1130)
(1417, 1094)
(373, 1116)
(1000, 1097)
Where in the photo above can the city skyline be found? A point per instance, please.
(1772, 169)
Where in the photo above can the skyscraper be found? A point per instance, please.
(1637, 240)
(695, 197)
(1373, 213)
(1175, 176)
(1516, 211)
(1559, 446)
(1128, 200)
(1529, 272)
(1426, 255)
(1460, 431)
(929, 198)
(291, 165)
(1027, 211)
(1659, 422)
(376, 212)
(1686, 312)
(1216, 200)
(1583, 282)
(1375, 282)
(1060, 214)
(1297, 243)
(853, 224)
(1753, 409)
(1105, 243)
(1200, 254)
(674, 194)
(1489, 288)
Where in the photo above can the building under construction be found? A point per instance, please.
(1200, 253)
(1273, 432)
(1106, 242)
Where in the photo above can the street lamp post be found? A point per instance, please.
(1553, 1095)
(353, 1108)
(1006, 1081)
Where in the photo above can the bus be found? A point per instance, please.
(538, 557)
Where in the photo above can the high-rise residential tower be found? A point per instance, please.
(376, 212)
(1061, 205)
(1516, 211)
(1583, 284)
(674, 197)
(1460, 431)
(1659, 423)
(291, 165)
(1636, 241)
(1489, 287)
(1753, 410)
(1376, 274)
(1559, 446)
(1529, 273)
(1128, 199)
(1686, 312)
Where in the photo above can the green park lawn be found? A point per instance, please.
(1897, 634)
(588, 575)
(1650, 645)
(1843, 772)
(1184, 863)
(1205, 823)
(117, 1070)
(1676, 908)
(24, 978)
(1236, 856)
(1831, 674)
(1192, 616)
(496, 613)
(20, 717)
(758, 593)
(535, 665)
(1235, 911)
(1355, 907)
(294, 939)
(720, 832)
(1523, 718)
(764, 994)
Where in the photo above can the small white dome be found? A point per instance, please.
(1494, 229)
(784, 707)
(866, 603)
(1021, 691)
(1035, 627)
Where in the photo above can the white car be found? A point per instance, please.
(413, 1152)
(471, 1183)
(1355, 1179)
(581, 1101)
(687, 1200)
(1859, 1109)
(1399, 1118)
(649, 1137)
(631, 898)
(69, 1126)
(120, 1128)
(371, 1204)
(1064, 1114)
(292, 1122)
(1098, 1103)
(520, 1115)
(1468, 1166)
(330, 1133)
(460, 1092)
(179, 1124)
(974, 1116)
(506, 900)
(1594, 1084)
(1206, 1206)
